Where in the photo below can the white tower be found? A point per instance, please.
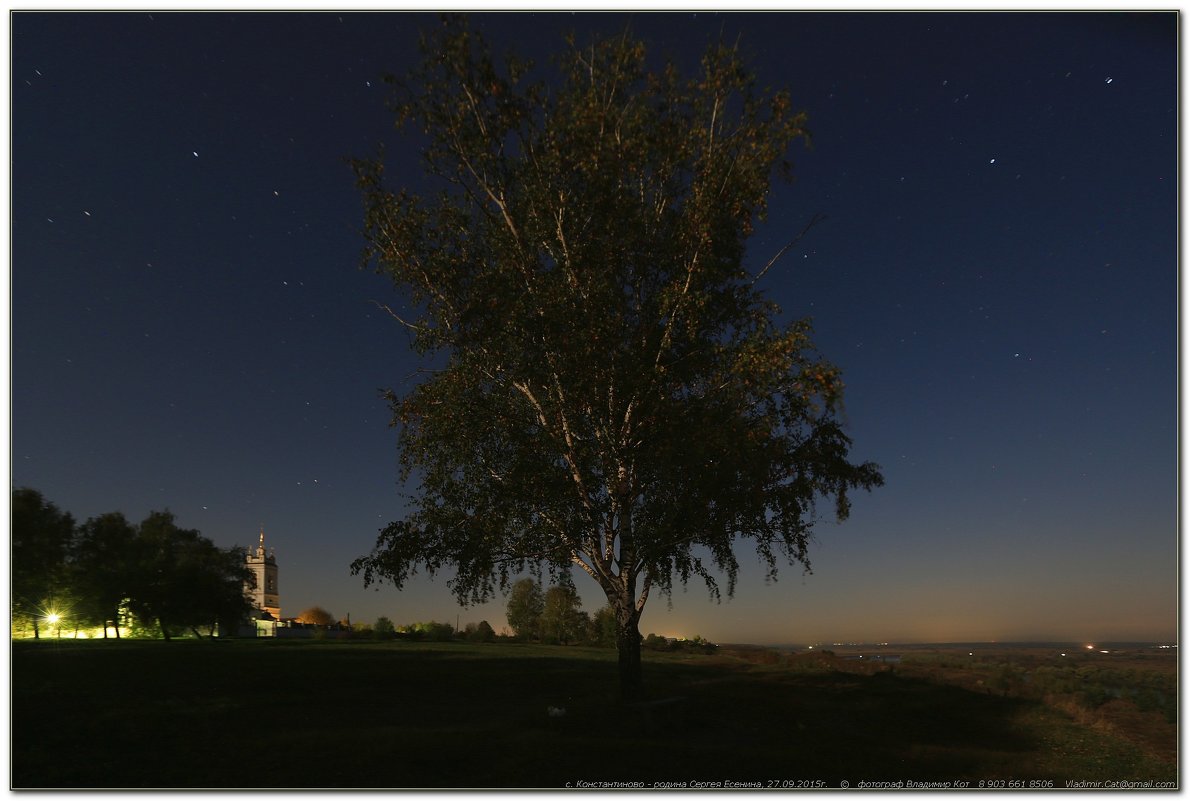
(264, 566)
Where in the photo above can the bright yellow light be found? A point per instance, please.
(52, 618)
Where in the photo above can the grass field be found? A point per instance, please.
(310, 714)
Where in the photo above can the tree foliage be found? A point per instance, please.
(42, 536)
(104, 568)
(182, 580)
(618, 394)
(603, 627)
(430, 630)
(562, 619)
(479, 632)
(524, 608)
(163, 575)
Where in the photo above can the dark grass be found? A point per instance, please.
(303, 714)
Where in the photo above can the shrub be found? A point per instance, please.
(432, 631)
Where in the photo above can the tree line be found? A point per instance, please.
(152, 577)
(555, 616)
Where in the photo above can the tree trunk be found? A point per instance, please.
(628, 644)
(36, 629)
(164, 629)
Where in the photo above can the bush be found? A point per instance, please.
(432, 631)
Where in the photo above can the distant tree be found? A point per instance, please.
(562, 621)
(480, 632)
(219, 579)
(603, 627)
(316, 616)
(384, 628)
(104, 568)
(182, 580)
(618, 395)
(525, 605)
(431, 630)
(42, 536)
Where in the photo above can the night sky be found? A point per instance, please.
(997, 278)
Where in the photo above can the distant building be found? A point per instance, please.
(264, 595)
(264, 620)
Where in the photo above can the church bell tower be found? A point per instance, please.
(264, 566)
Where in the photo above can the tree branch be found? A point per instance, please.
(817, 218)
(388, 310)
(644, 593)
(568, 455)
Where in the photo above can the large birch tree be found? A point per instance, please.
(615, 392)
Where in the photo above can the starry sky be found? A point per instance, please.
(997, 277)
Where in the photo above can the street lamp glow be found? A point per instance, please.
(52, 618)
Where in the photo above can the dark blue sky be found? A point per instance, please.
(997, 278)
